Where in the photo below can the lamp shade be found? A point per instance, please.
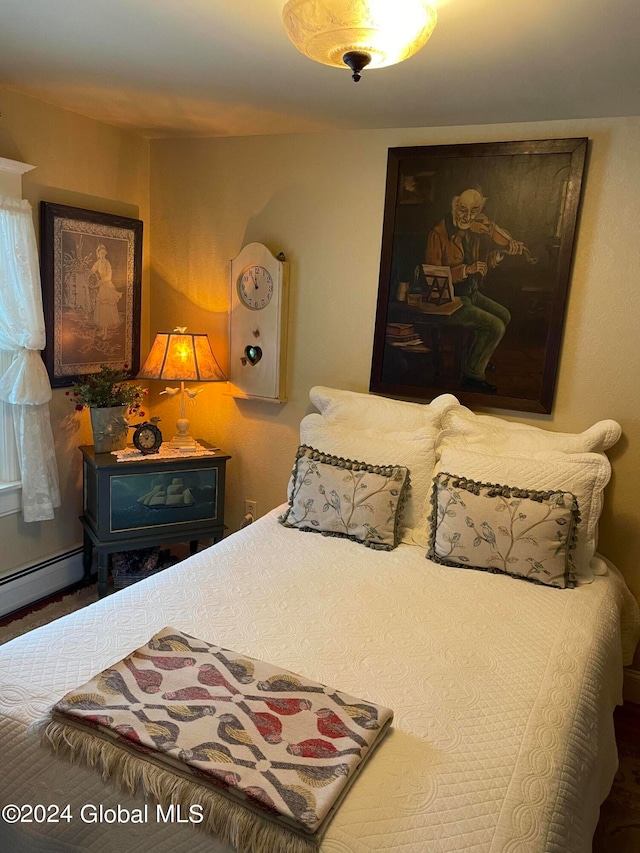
(386, 31)
(181, 356)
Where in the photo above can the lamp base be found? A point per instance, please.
(182, 442)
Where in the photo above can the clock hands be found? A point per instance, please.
(262, 287)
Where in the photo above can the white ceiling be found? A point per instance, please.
(226, 67)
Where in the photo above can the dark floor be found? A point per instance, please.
(619, 827)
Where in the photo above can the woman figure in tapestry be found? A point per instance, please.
(105, 314)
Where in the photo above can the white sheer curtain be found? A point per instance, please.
(9, 463)
(24, 383)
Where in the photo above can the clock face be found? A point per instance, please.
(255, 287)
(147, 438)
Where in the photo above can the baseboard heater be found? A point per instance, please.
(32, 583)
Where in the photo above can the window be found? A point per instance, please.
(25, 427)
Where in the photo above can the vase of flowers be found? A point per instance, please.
(111, 398)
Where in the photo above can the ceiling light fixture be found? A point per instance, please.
(358, 33)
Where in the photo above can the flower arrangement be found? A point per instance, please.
(100, 392)
(108, 387)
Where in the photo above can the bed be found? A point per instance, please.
(502, 690)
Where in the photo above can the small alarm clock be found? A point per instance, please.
(147, 438)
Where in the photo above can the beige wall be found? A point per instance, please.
(82, 163)
(319, 198)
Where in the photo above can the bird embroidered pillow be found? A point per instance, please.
(524, 533)
(341, 497)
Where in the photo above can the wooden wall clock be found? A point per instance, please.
(258, 324)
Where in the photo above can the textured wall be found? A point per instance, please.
(82, 163)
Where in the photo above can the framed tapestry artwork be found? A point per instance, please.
(476, 255)
(91, 280)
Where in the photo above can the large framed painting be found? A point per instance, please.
(476, 257)
(91, 267)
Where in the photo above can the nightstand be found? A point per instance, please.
(148, 501)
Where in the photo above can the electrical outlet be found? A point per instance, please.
(250, 508)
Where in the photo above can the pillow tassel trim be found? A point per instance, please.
(447, 479)
(389, 471)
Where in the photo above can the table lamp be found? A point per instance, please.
(178, 356)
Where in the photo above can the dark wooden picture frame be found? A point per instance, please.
(476, 257)
(91, 268)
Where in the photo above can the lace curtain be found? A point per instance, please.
(24, 383)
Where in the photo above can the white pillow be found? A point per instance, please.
(583, 474)
(414, 450)
(462, 428)
(367, 411)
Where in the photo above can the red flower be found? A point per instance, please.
(67, 393)
(79, 407)
(141, 414)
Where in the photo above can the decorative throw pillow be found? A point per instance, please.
(583, 474)
(414, 450)
(341, 497)
(369, 411)
(523, 533)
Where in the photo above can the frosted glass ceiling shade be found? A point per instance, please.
(377, 32)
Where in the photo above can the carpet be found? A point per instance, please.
(46, 614)
(618, 829)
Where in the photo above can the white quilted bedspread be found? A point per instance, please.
(502, 691)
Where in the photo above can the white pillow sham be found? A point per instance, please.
(414, 450)
(463, 428)
(585, 475)
(367, 411)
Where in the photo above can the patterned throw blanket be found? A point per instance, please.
(267, 755)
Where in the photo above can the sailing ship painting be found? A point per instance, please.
(147, 500)
(175, 495)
